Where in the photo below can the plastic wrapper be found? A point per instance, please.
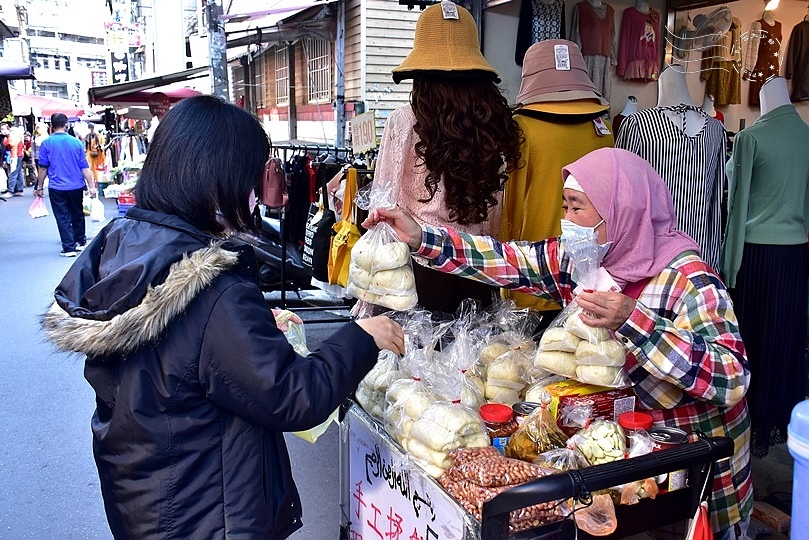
(371, 391)
(536, 392)
(561, 459)
(569, 346)
(381, 270)
(601, 442)
(640, 443)
(597, 519)
(575, 417)
(537, 434)
(478, 474)
(296, 336)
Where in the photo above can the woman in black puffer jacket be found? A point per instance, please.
(194, 382)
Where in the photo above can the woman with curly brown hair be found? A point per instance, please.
(448, 153)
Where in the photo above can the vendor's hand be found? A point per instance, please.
(283, 317)
(400, 221)
(606, 309)
(387, 334)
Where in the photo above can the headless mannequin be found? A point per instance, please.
(773, 94)
(768, 17)
(672, 91)
(595, 3)
(642, 6)
(631, 106)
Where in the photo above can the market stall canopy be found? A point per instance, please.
(174, 93)
(45, 106)
(15, 70)
(287, 20)
(112, 93)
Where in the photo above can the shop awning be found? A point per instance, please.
(44, 106)
(114, 93)
(287, 21)
(15, 70)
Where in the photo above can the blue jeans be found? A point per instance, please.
(15, 181)
(69, 215)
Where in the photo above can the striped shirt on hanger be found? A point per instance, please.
(693, 168)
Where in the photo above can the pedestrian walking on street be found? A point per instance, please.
(62, 160)
(195, 384)
(16, 147)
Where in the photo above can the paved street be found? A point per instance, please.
(48, 481)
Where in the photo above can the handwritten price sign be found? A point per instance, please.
(363, 132)
(390, 498)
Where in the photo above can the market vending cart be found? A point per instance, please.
(385, 496)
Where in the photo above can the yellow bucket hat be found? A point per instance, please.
(446, 42)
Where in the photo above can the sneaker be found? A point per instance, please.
(68, 253)
(80, 247)
(18, 194)
(7, 195)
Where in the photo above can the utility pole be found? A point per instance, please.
(340, 87)
(217, 50)
(22, 22)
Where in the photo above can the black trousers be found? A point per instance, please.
(67, 210)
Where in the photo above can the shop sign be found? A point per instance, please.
(159, 104)
(120, 66)
(390, 498)
(122, 36)
(363, 132)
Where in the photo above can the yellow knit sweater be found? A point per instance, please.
(532, 204)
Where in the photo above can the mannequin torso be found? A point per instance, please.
(773, 94)
(768, 17)
(595, 3)
(642, 6)
(673, 91)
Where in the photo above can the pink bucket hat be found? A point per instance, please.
(554, 71)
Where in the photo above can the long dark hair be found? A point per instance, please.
(467, 135)
(205, 159)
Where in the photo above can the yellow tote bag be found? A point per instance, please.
(345, 234)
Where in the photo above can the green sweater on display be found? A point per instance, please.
(768, 179)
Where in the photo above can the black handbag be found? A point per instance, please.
(317, 239)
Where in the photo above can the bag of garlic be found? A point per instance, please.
(573, 348)
(602, 441)
(381, 271)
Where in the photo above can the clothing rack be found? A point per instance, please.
(289, 150)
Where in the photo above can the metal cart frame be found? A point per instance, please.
(667, 508)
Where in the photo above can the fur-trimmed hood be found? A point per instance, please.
(131, 282)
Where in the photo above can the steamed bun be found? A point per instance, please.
(599, 375)
(576, 326)
(558, 339)
(604, 353)
(362, 254)
(359, 276)
(391, 255)
(563, 363)
(398, 302)
(399, 279)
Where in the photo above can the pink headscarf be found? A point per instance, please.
(637, 208)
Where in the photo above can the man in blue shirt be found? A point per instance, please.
(62, 160)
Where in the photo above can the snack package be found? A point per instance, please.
(573, 348)
(381, 271)
(538, 433)
(602, 442)
(562, 459)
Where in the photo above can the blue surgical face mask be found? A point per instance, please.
(572, 232)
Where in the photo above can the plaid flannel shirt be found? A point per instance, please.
(687, 362)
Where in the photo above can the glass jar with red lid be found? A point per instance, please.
(500, 423)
